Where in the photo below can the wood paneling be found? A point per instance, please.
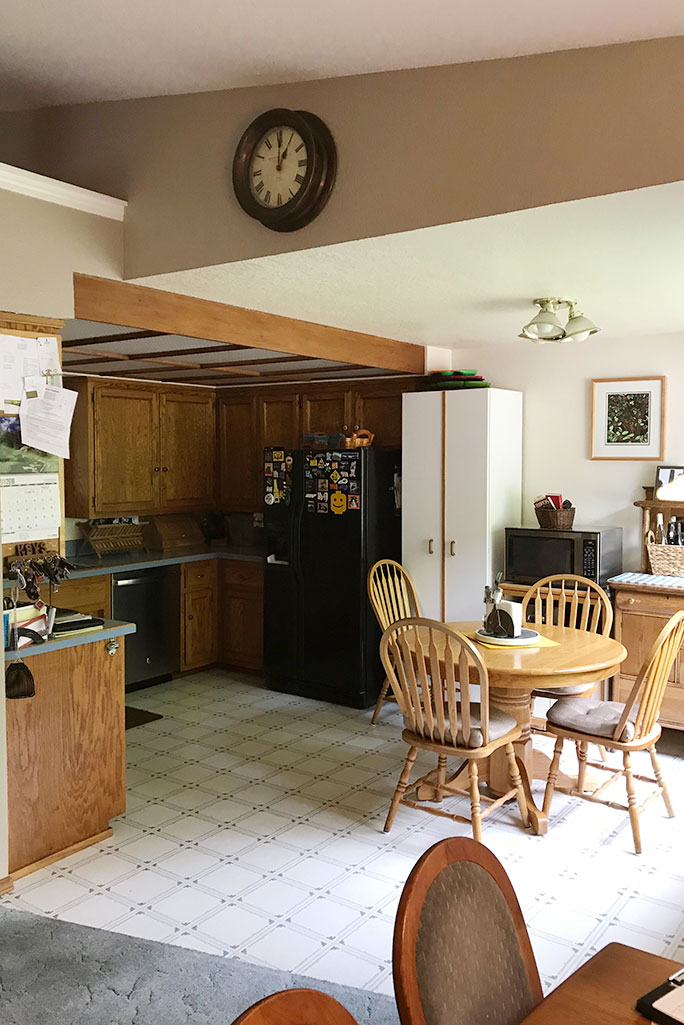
(66, 752)
(127, 468)
(92, 595)
(238, 454)
(188, 449)
(117, 302)
(241, 627)
(326, 412)
(278, 421)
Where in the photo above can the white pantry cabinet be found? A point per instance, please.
(461, 485)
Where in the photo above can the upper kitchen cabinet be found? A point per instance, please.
(278, 421)
(139, 449)
(326, 412)
(379, 409)
(188, 449)
(239, 462)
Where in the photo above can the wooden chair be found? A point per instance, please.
(568, 601)
(632, 726)
(429, 668)
(393, 596)
(296, 1007)
(461, 950)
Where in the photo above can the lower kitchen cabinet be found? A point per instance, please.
(241, 625)
(199, 614)
(66, 753)
(90, 595)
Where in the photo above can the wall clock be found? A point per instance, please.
(284, 168)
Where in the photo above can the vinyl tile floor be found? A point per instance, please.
(254, 829)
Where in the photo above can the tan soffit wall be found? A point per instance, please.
(42, 245)
(416, 148)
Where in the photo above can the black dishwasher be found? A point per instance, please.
(150, 598)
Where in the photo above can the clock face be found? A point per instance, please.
(278, 167)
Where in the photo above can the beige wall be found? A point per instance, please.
(42, 245)
(556, 382)
(416, 148)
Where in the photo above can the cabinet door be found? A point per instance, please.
(278, 422)
(239, 455)
(199, 628)
(421, 514)
(242, 635)
(127, 469)
(326, 412)
(380, 411)
(91, 595)
(188, 450)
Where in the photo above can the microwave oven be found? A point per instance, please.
(532, 553)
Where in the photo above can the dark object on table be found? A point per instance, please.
(556, 519)
(499, 623)
(647, 1005)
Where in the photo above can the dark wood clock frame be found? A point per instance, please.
(318, 180)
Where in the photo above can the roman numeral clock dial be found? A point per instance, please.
(284, 168)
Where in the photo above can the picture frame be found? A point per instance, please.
(628, 418)
(665, 475)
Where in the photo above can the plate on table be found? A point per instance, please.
(526, 637)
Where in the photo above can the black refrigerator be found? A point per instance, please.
(328, 516)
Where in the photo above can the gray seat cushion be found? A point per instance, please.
(591, 716)
(563, 692)
(499, 725)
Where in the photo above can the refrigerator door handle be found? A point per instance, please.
(271, 559)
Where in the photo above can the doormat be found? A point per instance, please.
(139, 717)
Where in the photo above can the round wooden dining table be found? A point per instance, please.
(578, 657)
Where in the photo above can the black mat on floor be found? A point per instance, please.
(139, 717)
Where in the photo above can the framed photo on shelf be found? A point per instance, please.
(628, 418)
(665, 475)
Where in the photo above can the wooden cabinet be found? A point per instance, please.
(326, 412)
(188, 450)
(241, 627)
(92, 595)
(640, 615)
(140, 449)
(278, 422)
(238, 454)
(379, 409)
(66, 754)
(199, 613)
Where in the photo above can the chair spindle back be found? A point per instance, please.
(429, 668)
(392, 593)
(570, 601)
(649, 686)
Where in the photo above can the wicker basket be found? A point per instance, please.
(666, 560)
(556, 519)
(113, 537)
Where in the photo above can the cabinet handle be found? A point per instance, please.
(191, 617)
(165, 469)
(431, 546)
(630, 601)
(452, 548)
(112, 647)
(157, 469)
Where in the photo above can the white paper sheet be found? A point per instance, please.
(46, 422)
(18, 359)
(48, 360)
(30, 507)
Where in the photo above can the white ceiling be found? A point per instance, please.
(471, 283)
(69, 51)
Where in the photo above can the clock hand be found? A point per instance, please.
(279, 165)
(288, 146)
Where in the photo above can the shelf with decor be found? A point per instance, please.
(650, 507)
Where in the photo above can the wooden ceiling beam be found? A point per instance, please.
(194, 351)
(98, 355)
(75, 343)
(175, 365)
(117, 302)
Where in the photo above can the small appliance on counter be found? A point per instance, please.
(532, 553)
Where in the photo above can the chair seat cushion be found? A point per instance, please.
(563, 692)
(591, 716)
(499, 725)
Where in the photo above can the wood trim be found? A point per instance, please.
(117, 302)
(23, 324)
(58, 855)
(125, 336)
(6, 885)
(174, 365)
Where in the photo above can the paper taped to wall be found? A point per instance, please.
(30, 507)
(46, 420)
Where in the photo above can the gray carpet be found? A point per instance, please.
(56, 973)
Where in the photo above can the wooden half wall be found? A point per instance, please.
(117, 302)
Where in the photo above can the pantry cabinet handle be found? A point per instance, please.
(157, 469)
(452, 548)
(165, 469)
(191, 617)
(431, 546)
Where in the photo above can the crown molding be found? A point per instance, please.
(38, 186)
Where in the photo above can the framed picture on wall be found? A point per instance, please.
(628, 418)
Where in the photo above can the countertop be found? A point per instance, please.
(650, 581)
(111, 628)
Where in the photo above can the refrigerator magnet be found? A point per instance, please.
(310, 506)
(288, 462)
(335, 476)
(354, 502)
(268, 498)
(322, 507)
(338, 502)
(268, 469)
(278, 455)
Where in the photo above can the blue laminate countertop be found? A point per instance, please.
(111, 628)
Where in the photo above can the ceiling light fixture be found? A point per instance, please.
(545, 326)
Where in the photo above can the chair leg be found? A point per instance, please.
(602, 753)
(517, 783)
(657, 772)
(401, 787)
(632, 802)
(475, 801)
(381, 700)
(582, 752)
(553, 774)
(441, 778)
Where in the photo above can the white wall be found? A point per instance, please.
(556, 381)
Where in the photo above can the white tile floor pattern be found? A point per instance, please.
(254, 829)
